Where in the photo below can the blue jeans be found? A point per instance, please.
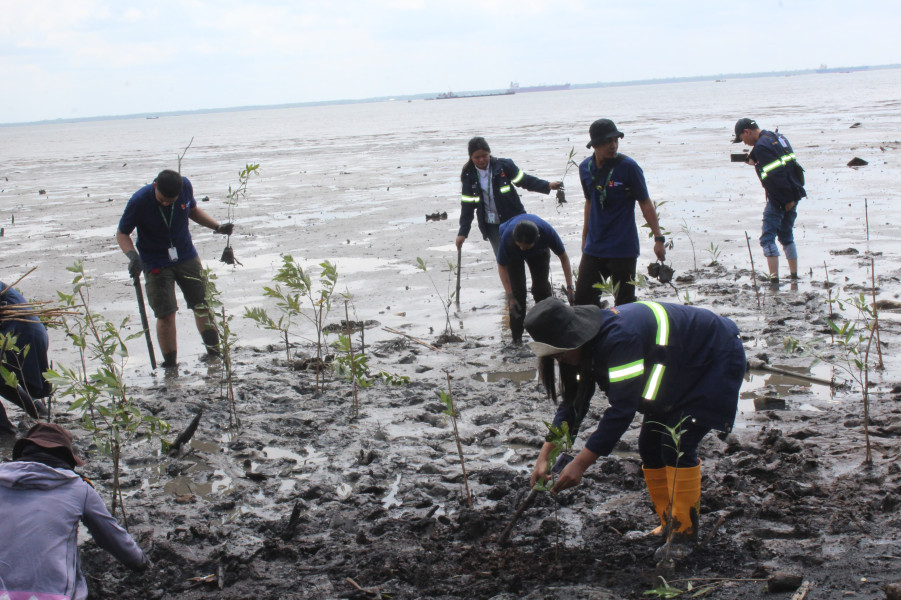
(778, 224)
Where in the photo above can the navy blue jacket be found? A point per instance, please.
(778, 170)
(659, 359)
(504, 175)
(28, 366)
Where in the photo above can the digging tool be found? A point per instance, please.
(459, 259)
(144, 323)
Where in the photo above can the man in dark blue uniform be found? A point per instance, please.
(612, 184)
(166, 255)
(783, 180)
(680, 366)
(26, 359)
(528, 240)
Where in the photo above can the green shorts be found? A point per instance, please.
(161, 287)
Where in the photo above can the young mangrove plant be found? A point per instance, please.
(688, 231)
(220, 320)
(451, 413)
(231, 201)
(288, 300)
(848, 351)
(675, 434)
(446, 300)
(98, 387)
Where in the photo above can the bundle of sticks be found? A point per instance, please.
(46, 310)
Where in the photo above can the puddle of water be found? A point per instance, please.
(391, 499)
(515, 376)
(778, 386)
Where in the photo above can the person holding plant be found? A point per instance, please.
(528, 240)
(680, 366)
(166, 255)
(42, 499)
(612, 183)
(489, 194)
(25, 359)
(782, 179)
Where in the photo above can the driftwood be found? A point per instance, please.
(185, 436)
(410, 337)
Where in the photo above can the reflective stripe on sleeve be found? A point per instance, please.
(653, 384)
(628, 371)
(518, 177)
(662, 338)
(472, 199)
(504, 189)
(779, 162)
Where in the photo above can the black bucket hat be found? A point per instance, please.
(557, 327)
(601, 131)
(47, 435)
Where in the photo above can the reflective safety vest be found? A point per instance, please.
(503, 189)
(638, 367)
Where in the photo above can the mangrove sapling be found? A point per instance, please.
(714, 252)
(107, 411)
(753, 271)
(221, 322)
(445, 302)
(687, 231)
(606, 286)
(675, 433)
(853, 345)
(561, 193)
(231, 201)
(287, 300)
(451, 412)
(560, 456)
(321, 305)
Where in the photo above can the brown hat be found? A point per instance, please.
(47, 435)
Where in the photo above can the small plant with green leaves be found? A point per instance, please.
(451, 412)
(321, 305)
(221, 321)
(688, 232)
(663, 230)
(235, 195)
(562, 441)
(607, 286)
(850, 345)
(570, 162)
(107, 410)
(675, 433)
(714, 252)
(447, 299)
(288, 300)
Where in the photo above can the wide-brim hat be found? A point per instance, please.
(557, 327)
(47, 435)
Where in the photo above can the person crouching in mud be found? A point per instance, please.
(679, 366)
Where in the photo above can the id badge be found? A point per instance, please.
(491, 218)
(173, 254)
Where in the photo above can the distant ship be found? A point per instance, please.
(515, 87)
(825, 69)
(451, 95)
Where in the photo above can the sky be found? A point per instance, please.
(85, 58)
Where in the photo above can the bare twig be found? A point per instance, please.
(410, 337)
(802, 591)
(753, 270)
(182, 155)
(881, 366)
(505, 534)
(16, 282)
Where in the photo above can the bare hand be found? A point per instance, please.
(571, 476)
(459, 241)
(790, 206)
(539, 473)
(556, 185)
(660, 251)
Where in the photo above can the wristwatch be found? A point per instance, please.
(659, 238)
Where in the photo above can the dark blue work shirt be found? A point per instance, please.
(547, 238)
(160, 227)
(32, 334)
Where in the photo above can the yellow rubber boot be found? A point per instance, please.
(687, 502)
(659, 482)
(686, 508)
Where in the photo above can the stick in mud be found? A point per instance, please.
(144, 323)
(459, 261)
(753, 271)
(505, 534)
(410, 337)
(185, 436)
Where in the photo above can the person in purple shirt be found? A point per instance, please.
(528, 240)
(42, 500)
(166, 255)
(612, 184)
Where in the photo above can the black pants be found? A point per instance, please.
(539, 270)
(658, 449)
(592, 270)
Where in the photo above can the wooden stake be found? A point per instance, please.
(753, 270)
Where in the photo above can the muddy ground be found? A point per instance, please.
(306, 495)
